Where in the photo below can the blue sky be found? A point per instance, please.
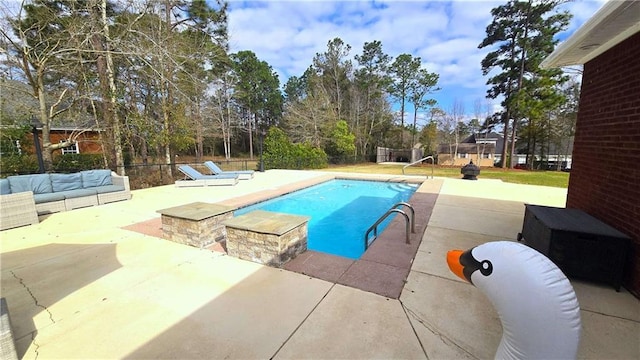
(444, 34)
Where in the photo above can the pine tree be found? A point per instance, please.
(524, 35)
(403, 70)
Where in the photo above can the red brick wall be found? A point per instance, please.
(605, 174)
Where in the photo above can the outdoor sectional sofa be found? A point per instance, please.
(24, 197)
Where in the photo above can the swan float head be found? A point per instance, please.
(537, 305)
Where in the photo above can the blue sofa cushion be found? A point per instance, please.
(65, 182)
(44, 198)
(5, 188)
(108, 189)
(93, 178)
(70, 194)
(38, 183)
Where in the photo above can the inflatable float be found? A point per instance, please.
(537, 305)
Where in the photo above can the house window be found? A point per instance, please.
(486, 156)
(462, 155)
(72, 149)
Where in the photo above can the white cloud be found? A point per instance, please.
(445, 34)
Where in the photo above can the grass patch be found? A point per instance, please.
(545, 178)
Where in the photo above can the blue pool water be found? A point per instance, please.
(341, 211)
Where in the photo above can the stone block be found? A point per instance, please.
(196, 224)
(267, 238)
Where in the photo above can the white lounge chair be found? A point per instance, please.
(194, 177)
(215, 169)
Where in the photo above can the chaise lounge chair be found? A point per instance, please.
(215, 169)
(194, 177)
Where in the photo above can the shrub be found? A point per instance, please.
(341, 141)
(18, 164)
(280, 153)
(77, 162)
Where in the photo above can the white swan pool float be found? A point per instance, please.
(537, 306)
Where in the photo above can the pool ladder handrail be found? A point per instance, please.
(409, 223)
(433, 161)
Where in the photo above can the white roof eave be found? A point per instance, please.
(613, 23)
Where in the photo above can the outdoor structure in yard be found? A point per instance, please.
(384, 154)
(606, 152)
(479, 148)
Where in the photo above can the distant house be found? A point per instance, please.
(479, 148)
(485, 149)
(87, 141)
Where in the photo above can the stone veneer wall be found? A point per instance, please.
(195, 233)
(268, 249)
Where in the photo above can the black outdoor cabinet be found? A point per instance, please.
(582, 246)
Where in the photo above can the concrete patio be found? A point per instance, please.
(80, 285)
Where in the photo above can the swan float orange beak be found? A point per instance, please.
(463, 264)
(453, 260)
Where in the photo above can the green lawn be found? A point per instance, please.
(546, 178)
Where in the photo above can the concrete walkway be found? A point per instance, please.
(78, 285)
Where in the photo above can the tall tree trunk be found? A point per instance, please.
(46, 151)
(199, 131)
(168, 98)
(101, 67)
(115, 125)
(520, 79)
(513, 144)
(104, 65)
(415, 120)
(505, 142)
(402, 121)
(251, 121)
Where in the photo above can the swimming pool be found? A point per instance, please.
(341, 211)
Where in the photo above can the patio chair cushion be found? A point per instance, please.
(38, 183)
(44, 198)
(108, 188)
(5, 188)
(194, 174)
(71, 194)
(65, 182)
(94, 178)
(213, 167)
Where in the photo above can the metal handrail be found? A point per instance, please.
(413, 214)
(433, 161)
(393, 209)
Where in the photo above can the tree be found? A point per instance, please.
(403, 70)
(334, 69)
(40, 48)
(523, 32)
(101, 43)
(194, 17)
(422, 85)
(429, 137)
(257, 91)
(566, 116)
(308, 119)
(371, 79)
(140, 69)
(451, 126)
(297, 88)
